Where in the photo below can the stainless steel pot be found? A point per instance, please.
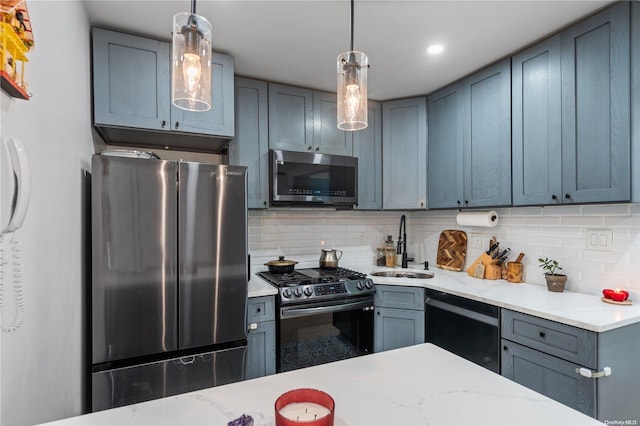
(329, 258)
(281, 266)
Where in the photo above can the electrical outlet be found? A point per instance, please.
(475, 241)
(600, 239)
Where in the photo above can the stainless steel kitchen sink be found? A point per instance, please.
(402, 274)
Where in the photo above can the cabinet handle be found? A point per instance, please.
(257, 309)
(378, 312)
(554, 197)
(585, 372)
(459, 203)
(567, 196)
(466, 202)
(264, 203)
(542, 334)
(317, 149)
(164, 123)
(505, 348)
(309, 148)
(177, 124)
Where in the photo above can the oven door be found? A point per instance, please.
(317, 333)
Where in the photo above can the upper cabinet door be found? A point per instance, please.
(250, 148)
(290, 118)
(219, 120)
(536, 125)
(445, 171)
(487, 137)
(596, 107)
(367, 146)
(131, 86)
(327, 138)
(404, 154)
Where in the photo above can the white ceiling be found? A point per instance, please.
(297, 41)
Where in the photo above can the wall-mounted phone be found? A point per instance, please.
(15, 189)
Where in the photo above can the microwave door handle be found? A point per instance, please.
(302, 312)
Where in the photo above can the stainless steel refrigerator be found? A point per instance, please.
(169, 278)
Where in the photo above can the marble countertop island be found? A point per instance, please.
(416, 385)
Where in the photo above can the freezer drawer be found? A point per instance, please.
(130, 385)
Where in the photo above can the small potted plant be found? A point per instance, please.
(555, 282)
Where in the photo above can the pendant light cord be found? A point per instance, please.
(351, 24)
(193, 7)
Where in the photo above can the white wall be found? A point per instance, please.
(42, 362)
(557, 232)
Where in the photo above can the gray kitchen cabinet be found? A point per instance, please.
(536, 124)
(404, 154)
(470, 141)
(596, 107)
(131, 81)
(571, 139)
(367, 147)
(487, 137)
(250, 148)
(327, 138)
(305, 120)
(261, 338)
(399, 317)
(547, 357)
(219, 120)
(132, 95)
(446, 157)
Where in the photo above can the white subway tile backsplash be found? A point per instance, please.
(558, 232)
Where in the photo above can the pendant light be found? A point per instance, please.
(352, 87)
(191, 61)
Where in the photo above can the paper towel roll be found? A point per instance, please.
(489, 218)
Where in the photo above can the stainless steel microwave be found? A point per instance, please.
(308, 179)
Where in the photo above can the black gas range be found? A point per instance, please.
(318, 284)
(322, 315)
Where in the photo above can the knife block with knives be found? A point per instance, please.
(485, 268)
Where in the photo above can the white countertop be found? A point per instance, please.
(577, 309)
(417, 385)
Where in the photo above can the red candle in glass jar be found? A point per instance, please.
(304, 407)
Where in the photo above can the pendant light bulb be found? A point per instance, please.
(352, 88)
(191, 62)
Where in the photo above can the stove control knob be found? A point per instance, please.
(297, 292)
(369, 284)
(308, 291)
(360, 285)
(286, 293)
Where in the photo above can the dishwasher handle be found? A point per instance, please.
(477, 316)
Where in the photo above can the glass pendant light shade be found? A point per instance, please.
(191, 62)
(352, 90)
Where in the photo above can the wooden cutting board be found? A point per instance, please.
(452, 249)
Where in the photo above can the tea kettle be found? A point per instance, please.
(329, 258)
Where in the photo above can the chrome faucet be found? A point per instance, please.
(402, 241)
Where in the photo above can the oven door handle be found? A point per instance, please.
(463, 312)
(303, 312)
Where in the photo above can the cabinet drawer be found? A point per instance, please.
(391, 296)
(261, 309)
(564, 341)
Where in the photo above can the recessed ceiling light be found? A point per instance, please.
(435, 49)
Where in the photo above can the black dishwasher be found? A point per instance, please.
(467, 328)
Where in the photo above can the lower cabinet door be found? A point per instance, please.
(550, 376)
(397, 328)
(261, 350)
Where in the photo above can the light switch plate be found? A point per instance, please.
(600, 239)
